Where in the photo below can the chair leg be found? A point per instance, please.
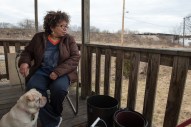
(71, 105)
(74, 108)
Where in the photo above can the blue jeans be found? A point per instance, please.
(50, 114)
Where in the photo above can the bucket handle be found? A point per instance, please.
(96, 121)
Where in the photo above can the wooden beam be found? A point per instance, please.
(176, 91)
(119, 75)
(36, 14)
(151, 84)
(98, 71)
(85, 21)
(85, 40)
(133, 79)
(107, 72)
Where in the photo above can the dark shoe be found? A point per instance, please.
(48, 119)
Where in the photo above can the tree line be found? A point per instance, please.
(30, 24)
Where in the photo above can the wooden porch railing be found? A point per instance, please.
(179, 60)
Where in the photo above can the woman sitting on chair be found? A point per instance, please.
(50, 61)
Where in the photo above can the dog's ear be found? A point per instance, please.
(43, 101)
(29, 97)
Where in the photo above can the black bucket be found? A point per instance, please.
(101, 106)
(129, 118)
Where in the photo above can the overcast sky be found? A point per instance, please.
(159, 16)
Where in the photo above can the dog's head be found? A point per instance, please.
(32, 101)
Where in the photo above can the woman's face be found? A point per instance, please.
(60, 29)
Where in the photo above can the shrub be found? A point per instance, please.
(126, 68)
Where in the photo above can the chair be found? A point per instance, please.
(73, 107)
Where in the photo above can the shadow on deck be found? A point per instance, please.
(9, 94)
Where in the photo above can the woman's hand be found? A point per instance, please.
(53, 76)
(24, 69)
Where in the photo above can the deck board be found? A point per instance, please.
(10, 94)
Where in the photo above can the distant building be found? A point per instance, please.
(157, 36)
(187, 40)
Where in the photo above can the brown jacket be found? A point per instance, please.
(68, 55)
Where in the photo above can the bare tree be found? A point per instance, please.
(27, 24)
(177, 30)
(94, 29)
(188, 24)
(75, 28)
(6, 25)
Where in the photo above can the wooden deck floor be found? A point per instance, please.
(9, 94)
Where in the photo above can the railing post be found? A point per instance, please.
(6, 51)
(176, 91)
(150, 89)
(133, 79)
(119, 75)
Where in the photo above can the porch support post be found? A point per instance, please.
(36, 14)
(85, 78)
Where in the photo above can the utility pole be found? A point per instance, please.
(183, 31)
(123, 16)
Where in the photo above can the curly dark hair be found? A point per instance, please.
(52, 18)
